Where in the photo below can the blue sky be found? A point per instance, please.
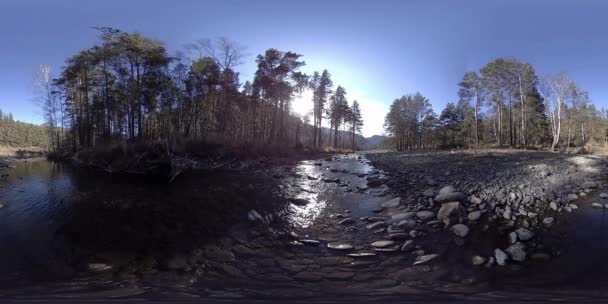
(378, 50)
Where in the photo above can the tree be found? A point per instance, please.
(43, 88)
(471, 89)
(338, 109)
(556, 89)
(356, 121)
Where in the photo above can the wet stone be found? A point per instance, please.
(362, 255)
(339, 246)
(425, 215)
(310, 242)
(425, 258)
(347, 221)
(392, 203)
(382, 244)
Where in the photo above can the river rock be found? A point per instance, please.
(512, 237)
(398, 236)
(339, 246)
(477, 260)
(382, 244)
(376, 182)
(392, 203)
(310, 242)
(446, 210)
(446, 190)
(524, 234)
(424, 258)
(362, 255)
(407, 246)
(572, 197)
(475, 215)
(425, 215)
(430, 192)
(375, 225)
(475, 200)
(460, 230)
(99, 267)
(376, 218)
(347, 221)
(254, 216)
(597, 205)
(501, 257)
(403, 216)
(449, 197)
(603, 195)
(553, 205)
(548, 221)
(517, 251)
(387, 249)
(407, 224)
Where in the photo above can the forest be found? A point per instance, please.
(19, 134)
(128, 89)
(505, 104)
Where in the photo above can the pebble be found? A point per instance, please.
(392, 203)
(501, 257)
(524, 234)
(425, 215)
(339, 246)
(310, 242)
(407, 246)
(403, 216)
(478, 260)
(548, 221)
(362, 255)
(475, 215)
(425, 258)
(446, 210)
(375, 225)
(347, 221)
(460, 230)
(597, 205)
(603, 195)
(299, 201)
(382, 244)
(517, 251)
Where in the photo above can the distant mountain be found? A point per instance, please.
(363, 143)
(370, 143)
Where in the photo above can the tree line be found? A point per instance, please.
(128, 89)
(505, 104)
(20, 134)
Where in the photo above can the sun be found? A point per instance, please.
(301, 104)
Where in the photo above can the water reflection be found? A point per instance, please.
(316, 181)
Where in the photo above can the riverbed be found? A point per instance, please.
(73, 231)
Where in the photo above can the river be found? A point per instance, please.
(76, 232)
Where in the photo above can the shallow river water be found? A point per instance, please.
(59, 219)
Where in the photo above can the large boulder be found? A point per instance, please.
(449, 194)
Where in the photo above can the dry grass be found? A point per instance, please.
(8, 151)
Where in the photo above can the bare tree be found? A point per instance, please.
(226, 53)
(43, 89)
(555, 90)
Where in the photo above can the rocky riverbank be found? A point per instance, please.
(348, 224)
(515, 194)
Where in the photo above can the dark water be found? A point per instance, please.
(58, 218)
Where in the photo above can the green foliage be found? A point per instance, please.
(20, 134)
